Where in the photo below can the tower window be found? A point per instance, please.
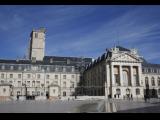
(36, 35)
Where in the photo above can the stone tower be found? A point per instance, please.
(37, 44)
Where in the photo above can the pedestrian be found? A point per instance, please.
(131, 97)
(68, 99)
(115, 96)
(145, 98)
(17, 97)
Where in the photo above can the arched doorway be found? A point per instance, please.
(64, 93)
(128, 93)
(118, 92)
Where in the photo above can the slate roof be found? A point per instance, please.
(46, 61)
(122, 48)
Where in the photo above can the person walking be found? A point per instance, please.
(131, 97)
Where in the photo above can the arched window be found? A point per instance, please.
(146, 81)
(127, 91)
(118, 91)
(158, 81)
(137, 91)
(125, 77)
(153, 82)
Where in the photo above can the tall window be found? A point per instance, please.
(153, 82)
(47, 83)
(117, 79)
(11, 75)
(33, 83)
(64, 76)
(28, 76)
(64, 84)
(2, 75)
(137, 91)
(56, 76)
(19, 83)
(135, 77)
(146, 81)
(72, 76)
(47, 76)
(38, 76)
(72, 84)
(116, 75)
(38, 83)
(125, 78)
(38, 93)
(28, 83)
(19, 75)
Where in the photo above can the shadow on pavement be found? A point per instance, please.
(150, 109)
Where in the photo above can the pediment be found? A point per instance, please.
(126, 57)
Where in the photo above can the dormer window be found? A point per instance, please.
(51, 60)
(48, 69)
(64, 69)
(68, 61)
(19, 67)
(3, 67)
(73, 69)
(11, 67)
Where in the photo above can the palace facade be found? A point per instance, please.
(121, 73)
(41, 75)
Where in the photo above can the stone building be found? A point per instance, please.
(41, 75)
(121, 73)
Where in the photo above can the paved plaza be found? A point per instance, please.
(32, 106)
(78, 106)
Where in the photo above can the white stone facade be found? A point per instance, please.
(40, 82)
(121, 69)
(37, 45)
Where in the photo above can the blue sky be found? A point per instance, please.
(81, 30)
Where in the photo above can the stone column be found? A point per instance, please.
(131, 76)
(121, 75)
